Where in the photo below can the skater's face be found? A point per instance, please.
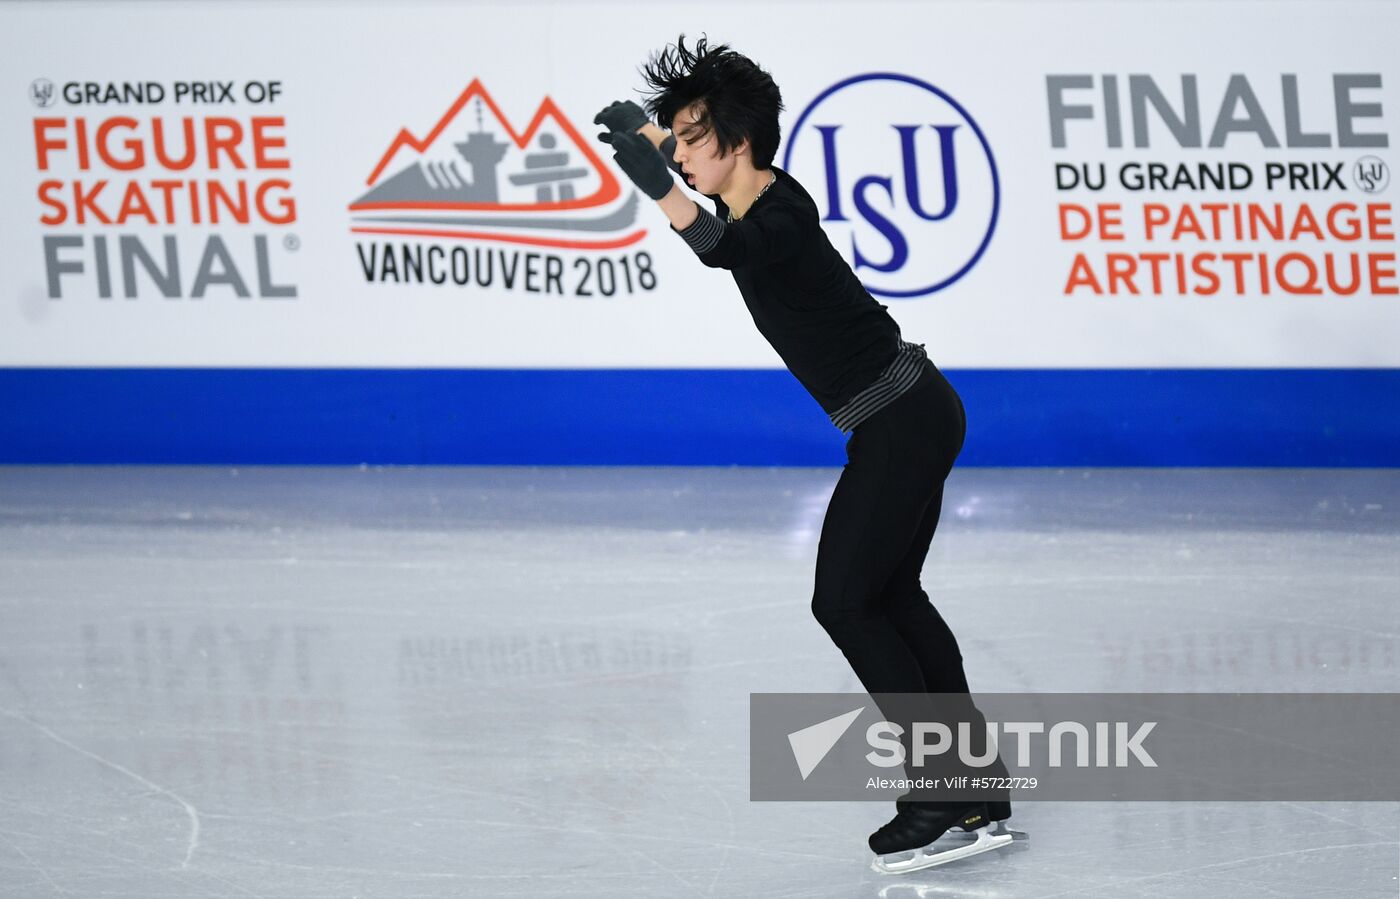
(707, 169)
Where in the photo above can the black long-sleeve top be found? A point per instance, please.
(835, 338)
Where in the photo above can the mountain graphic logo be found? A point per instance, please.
(474, 176)
(812, 744)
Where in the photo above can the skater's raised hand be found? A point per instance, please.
(621, 115)
(643, 163)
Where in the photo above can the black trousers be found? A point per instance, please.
(877, 531)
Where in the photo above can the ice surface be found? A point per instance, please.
(501, 682)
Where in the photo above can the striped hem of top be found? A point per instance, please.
(703, 233)
(898, 377)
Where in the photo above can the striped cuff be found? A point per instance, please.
(704, 233)
(898, 376)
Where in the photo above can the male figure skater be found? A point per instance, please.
(906, 421)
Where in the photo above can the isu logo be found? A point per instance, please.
(473, 176)
(906, 177)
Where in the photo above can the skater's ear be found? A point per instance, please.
(744, 148)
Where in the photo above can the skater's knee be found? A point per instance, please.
(829, 608)
(824, 610)
(839, 612)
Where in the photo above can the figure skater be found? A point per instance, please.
(906, 422)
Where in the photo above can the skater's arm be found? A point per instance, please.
(642, 162)
(774, 235)
(681, 210)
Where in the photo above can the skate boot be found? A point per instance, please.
(910, 842)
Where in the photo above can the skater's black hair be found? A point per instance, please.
(736, 98)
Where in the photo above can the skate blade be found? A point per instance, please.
(928, 857)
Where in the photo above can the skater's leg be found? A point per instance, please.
(920, 626)
(931, 640)
(902, 596)
(873, 515)
(918, 622)
(897, 460)
(933, 645)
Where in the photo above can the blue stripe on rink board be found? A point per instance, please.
(1188, 417)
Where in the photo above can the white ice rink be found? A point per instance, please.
(511, 682)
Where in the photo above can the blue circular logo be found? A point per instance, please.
(905, 178)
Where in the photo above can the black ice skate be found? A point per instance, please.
(911, 842)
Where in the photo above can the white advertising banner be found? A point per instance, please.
(1024, 185)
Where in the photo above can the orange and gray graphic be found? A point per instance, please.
(474, 177)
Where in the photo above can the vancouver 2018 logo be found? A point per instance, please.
(474, 176)
(476, 200)
(905, 178)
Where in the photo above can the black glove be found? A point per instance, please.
(621, 115)
(638, 157)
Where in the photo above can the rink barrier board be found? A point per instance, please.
(1042, 417)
